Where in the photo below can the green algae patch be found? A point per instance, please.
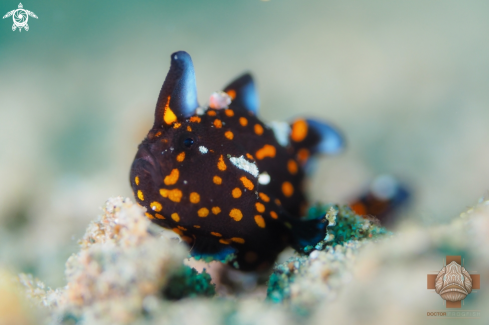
(187, 282)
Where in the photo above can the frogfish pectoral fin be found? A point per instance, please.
(305, 233)
(315, 137)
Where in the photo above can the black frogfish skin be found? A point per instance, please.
(227, 183)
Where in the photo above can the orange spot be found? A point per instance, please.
(217, 123)
(158, 134)
(211, 113)
(187, 239)
(264, 197)
(225, 241)
(236, 193)
(299, 130)
(217, 180)
(229, 135)
(229, 112)
(260, 221)
(140, 195)
(175, 217)
(159, 216)
(287, 189)
(292, 166)
(243, 121)
(266, 151)
(136, 180)
(177, 125)
(197, 226)
(236, 214)
(277, 202)
(250, 156)
(172, 178)
(181, 156)
(302, 155)
(189, 129)
(247, 183)
(359, 208)
(168, 116)
(203, 212)
(220, 164)
(216, 210)
(231, 93)
(156, 206)
(175, 195)
(195, 119)
(259, 207)
(194, 197)
(178, 231)
(149, 215)
(238, 240)
(182, 228)
(273, 214)
(258, 129)
(216, 234)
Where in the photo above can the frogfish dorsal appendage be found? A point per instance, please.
(220, 178)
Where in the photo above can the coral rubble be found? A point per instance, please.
(128, 272)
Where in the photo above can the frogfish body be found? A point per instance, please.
(228, 184)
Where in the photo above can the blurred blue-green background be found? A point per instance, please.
(407, 82)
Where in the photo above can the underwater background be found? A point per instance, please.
(406, 82)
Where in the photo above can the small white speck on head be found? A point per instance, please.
(219, 100)
(264, 178)
(281, 130)
(203, 149)
(185, 182)
(199, 111)
(171, 149)
(176, 57)
(245, 165)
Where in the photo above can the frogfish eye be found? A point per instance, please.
(188, 142)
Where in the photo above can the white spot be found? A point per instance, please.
(219, 100)
(281, 130)
(245, 165)
(176, 57)
(199, 111)
(185, 182)
(203, 149)
(264, 178)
